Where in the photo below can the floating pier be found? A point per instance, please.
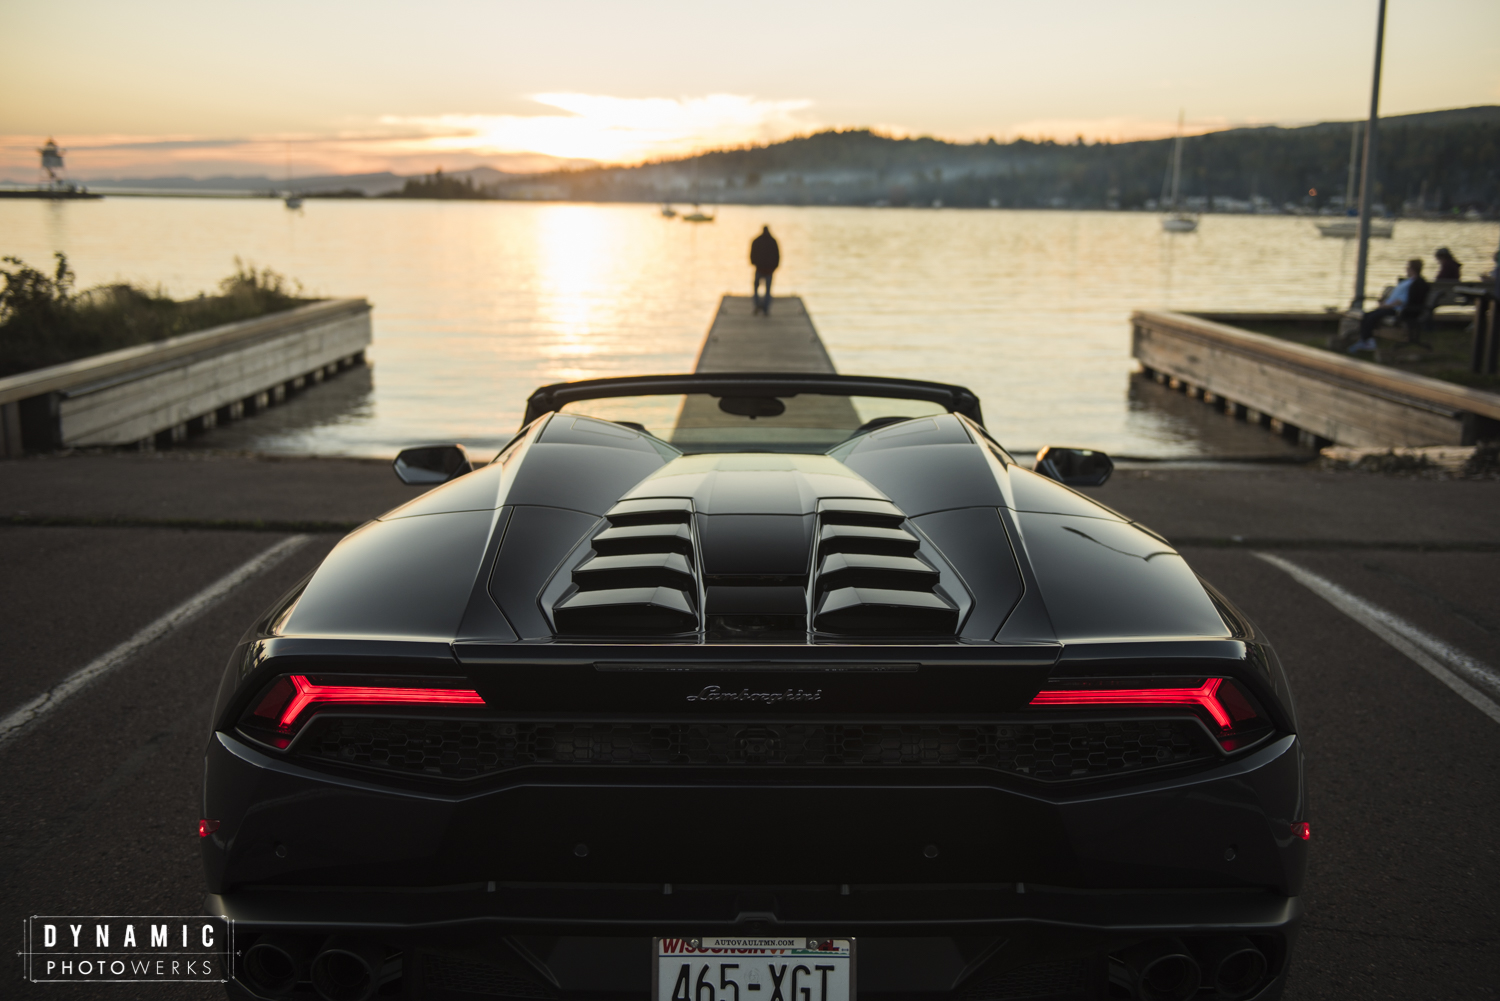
(784, 341)
(740, 340)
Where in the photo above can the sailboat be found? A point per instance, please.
(1348, 228)
(667, 211)
(697, 215)
(1178, 221)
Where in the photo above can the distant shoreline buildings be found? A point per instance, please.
(1435, 164)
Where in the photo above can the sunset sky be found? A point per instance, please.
(166, 87)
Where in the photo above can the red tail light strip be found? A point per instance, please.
(310, 694)
(1205, 696)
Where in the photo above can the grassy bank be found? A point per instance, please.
(1443, 354)
(43, 321)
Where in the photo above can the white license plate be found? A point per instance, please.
(753, 969)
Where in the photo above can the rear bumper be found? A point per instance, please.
(932, 943)
(490, 882)
(540, 909)
(1225, 826)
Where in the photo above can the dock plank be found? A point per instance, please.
(784, 341)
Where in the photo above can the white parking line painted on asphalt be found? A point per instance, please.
(15, 722)
(1475, 680)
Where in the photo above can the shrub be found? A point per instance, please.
(44, 322)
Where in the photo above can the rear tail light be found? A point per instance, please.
(293, 699)
(1220, 702)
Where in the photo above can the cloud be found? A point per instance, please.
(400, 150)
(616, 129)
(576, 130)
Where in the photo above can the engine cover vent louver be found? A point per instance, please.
(644, 539)
(871, 580)
(636, 570)
(641, 578)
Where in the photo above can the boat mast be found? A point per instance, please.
(1177, 159)
(1367, 179)
(1353, 167)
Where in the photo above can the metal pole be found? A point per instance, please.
(1367, 179)
(1177, 157)
(1496, 275)
(1353, 168)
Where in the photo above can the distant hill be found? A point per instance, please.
(1434, 162)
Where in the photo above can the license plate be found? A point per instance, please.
(753, 969)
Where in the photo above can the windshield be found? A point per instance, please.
(795, 422)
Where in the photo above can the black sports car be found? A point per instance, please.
(755, 688)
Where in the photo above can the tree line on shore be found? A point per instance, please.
(1433, 163)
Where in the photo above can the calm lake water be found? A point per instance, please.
(476, 304)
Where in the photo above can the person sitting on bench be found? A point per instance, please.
(1406, 301)
(1449, 268)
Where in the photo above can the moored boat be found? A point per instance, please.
(1348, 229)
(1178, 221)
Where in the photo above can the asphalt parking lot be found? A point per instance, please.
(98, 800)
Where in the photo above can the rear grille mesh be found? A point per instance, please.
(454, 973)
(1051, 751)
(1062, 978)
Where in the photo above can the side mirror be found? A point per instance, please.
(1074, 467)
(431, 464)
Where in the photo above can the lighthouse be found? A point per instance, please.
(52, 164)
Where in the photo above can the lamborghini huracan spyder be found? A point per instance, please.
(755, 688)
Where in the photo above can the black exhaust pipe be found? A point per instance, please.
(352, 969)
(1162, 970)
(274, 963)
(1233, 966)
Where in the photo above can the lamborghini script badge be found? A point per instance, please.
(713, 693)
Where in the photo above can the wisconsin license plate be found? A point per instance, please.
(753, 969)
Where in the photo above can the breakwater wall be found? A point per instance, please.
(158, 393)
(1303, 393)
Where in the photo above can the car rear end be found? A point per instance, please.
(980, 821)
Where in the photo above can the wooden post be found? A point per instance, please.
(10, 430)
(1482, 360)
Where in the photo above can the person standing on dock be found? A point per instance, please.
(765, 255)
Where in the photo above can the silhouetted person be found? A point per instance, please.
(1448, 266)
(1406, 300)
(765, 254)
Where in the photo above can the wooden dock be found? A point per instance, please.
(157, 393)
(1318, 396)
(784, 341)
